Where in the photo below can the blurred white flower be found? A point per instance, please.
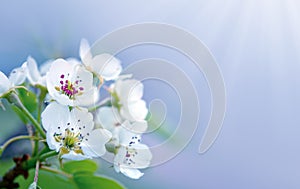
(110, 119)
(128, 95)
(34, 75)
(5, 84)
(71, 132)
(131, 155)
(105, 65)
(16, 77)
(69, 83)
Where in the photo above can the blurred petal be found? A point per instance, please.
(4, 83)
(18, 75)
(33, 73)
(107, 66)
(84, 52)
(94, 145)
(131, 173)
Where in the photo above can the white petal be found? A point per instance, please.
(129, 90)
(33, 74)
(81, 120)
(141, 159)
(84, 52)
(88, 98)
(108, 118)
(107, 66)
(18, 75)
(138, 127)
(134, 111)
(74, 156)
(53, 145)
(94, 146)
(4, 83)
(131, 173)
(126, 137)
(55, 115)
(45, 67)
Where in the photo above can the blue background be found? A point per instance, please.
(256, 45)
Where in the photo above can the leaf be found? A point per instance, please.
(84, 166)
(47, 180)
(29, 99)
(95, 182)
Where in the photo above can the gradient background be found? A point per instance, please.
(256, 45)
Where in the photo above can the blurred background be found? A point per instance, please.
(256, 45)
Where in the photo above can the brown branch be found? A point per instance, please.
(19, 169)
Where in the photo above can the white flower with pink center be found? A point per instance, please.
(69, 83)
(72, 133)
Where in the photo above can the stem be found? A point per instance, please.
(56, 171)
(47, 155)
(42, 96)
(14, 99)
(16, 139)
(36, 175)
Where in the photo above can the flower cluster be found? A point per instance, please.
(78, 123)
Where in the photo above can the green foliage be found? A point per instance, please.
(84, 166)
(77, 175)
(95, 182)
(29, 99)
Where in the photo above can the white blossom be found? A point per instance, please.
(105, 65)
(71, 84)
(131, 155)
(128, 93)
(71, 133)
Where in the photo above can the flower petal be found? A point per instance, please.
(4, 83)
(138, 127)
(129, 90)
(18, 75)
(84, 52)
(74, 156)
(131, 173)
(134, 111)
(107, 66)
(108, 118)
(94, 144)
(55, 115)
(33, 74)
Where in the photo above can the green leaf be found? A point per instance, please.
(29, 99)
(47, 180)
(95, 182)
(84, 166)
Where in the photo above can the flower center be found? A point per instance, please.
(69, 141)
(71, 89)
(129, 156)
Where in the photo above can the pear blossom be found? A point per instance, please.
(5, 84)
(69, 83)
(128, 95)
(71, 133)
(34, 75)
(104, 65)
(16, 77)
(110, 119)
(131, 155)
